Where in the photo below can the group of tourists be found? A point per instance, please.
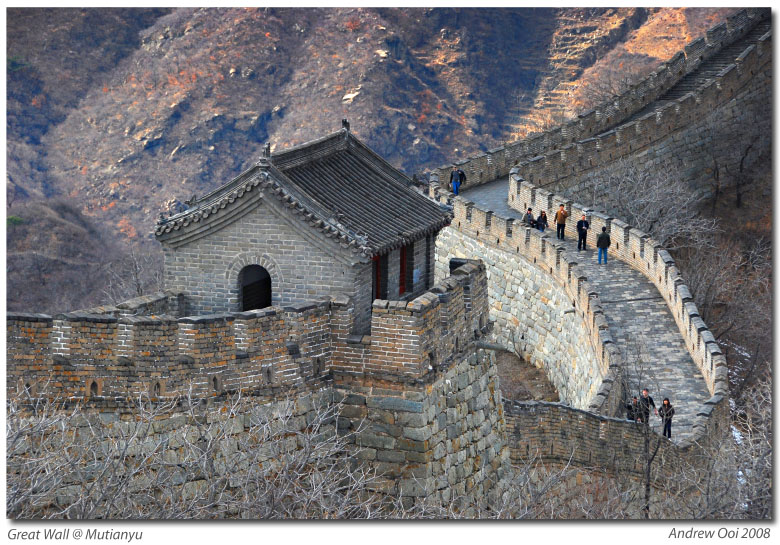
(603, 241)
(638, 410)
(538, 223)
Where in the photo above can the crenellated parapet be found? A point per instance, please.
(560, 436)
(648, 256)
(85, 355)
(423, 398)
(601, 135)
(630, 138)
(545, 253)
(417, 337)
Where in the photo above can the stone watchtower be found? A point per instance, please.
(329, 216)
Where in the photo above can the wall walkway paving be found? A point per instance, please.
(638, 318)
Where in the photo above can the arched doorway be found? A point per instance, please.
(254, 284)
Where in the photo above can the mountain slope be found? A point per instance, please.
(122, 112)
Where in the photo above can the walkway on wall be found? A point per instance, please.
(638, 317)
(706, 70)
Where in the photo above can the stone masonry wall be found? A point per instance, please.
(532, 315)
(542, 305)
(606, 451)
(172, 436)
(430, 399)
(440, 438)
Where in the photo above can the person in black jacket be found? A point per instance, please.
(632, 410)
(541, 221)
(666, 412)
(645, 402)
(582, 231)
(603, 243)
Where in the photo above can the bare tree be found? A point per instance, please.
(656, 201)
(730, 478)
(608, 86)
(135, 273)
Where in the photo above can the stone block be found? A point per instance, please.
(394, 404)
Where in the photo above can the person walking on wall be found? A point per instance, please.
(666, 412)
(560, 221)
(645, 402)
(541, 221)
(529, 218)
(632, 410)
(603, 243)
(582, 232)
(457, 177)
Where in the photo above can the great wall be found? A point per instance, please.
(422, 378)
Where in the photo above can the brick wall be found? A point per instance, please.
(207, 269)
(606, 451)
(164, 356)
(430, 400)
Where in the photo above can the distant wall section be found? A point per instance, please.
(706, 129)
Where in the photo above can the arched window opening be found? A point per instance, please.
(254, 284)
(93, 389)
(157, 390)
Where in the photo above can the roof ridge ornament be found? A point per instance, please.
(345, 124)
(265, 158)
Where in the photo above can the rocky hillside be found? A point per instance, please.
(114, 114)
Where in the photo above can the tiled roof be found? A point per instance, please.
(337, 185)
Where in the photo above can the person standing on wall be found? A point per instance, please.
(602, 243)
(632, 410)
(645, 402)
(582, 232)
(541, 221)
(666, 412)
(457, 177)
(560, 221)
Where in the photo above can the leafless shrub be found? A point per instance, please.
(732, 289)
(135, 273)
(176, 460)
